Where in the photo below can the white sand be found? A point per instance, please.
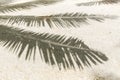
(104, 37)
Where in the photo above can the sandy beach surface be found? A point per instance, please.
(104, 36)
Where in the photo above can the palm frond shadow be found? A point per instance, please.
(98, 2)
(26, 5)
(59, 20)
(54, 49)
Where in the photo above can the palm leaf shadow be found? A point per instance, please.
(54, 49)
(98, 2)
(26, 5)
(59, 20)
